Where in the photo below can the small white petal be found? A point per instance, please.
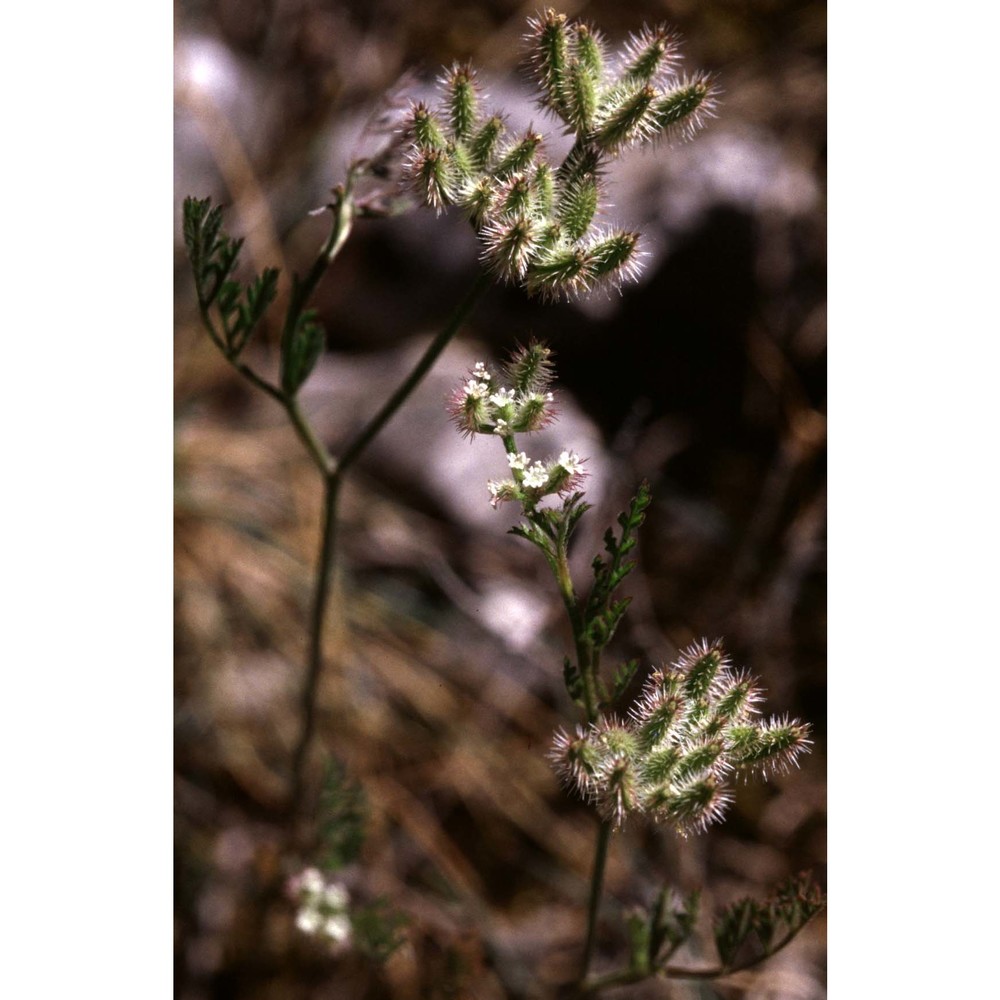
(308, 920)
(337, 928)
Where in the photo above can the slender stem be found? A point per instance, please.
(251, 376)
(395, 401)
(596, 886)
(333, 473)
(343, 218)
(324, 461)
(314, 662)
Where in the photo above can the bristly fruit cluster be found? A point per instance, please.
(536, 222)
(693, 729)
(483, 406)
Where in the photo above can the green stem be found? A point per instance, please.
(333, 473)
(596, 886)
(302, 290)
(314, 662)
(317, 452)
(584, 649)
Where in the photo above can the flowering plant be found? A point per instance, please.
(694, 727)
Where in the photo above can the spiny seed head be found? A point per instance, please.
(516, 198)
(548, 42)
(682, 111)
(558, 272)
(612, 258)
(431, 174)
(655, 714)
(626, 120)
(479, 201)
(536, 219)
(695, 807)
(776, 746)
(698, 758)
(581, 96)
(615, 737)
(617, 790)
(530, 368)
(650, 55)
(578, 205)
(739, 700)
(543, 187)
(519, 156)
(510, 244)
(425, 128)
(702, 664)
(588, 47)
(484, 143)
(658, 765)
(575, 759)
(691, 733)
(461, 99)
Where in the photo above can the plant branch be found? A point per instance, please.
(314, 663)
(333, 472)
(623, 977)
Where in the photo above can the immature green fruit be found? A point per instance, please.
(692, 731)
(535, 219)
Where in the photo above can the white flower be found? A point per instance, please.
(536, 476)
(501, 426)
(571, 462)
(308, 920)
(504, 397)
(337, 928)
(517, 461)
(335, 896)
(476, 390)
(310, 882)
(481, 372)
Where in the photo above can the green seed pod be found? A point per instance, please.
(558, 272)
(543, 188)
(682, 111)
(550, 57)
(426, 129)
(625, 119)
(461, 100)
(518, 157)
(650, 55)
(612, 258)
(578, 205)
(484, 143)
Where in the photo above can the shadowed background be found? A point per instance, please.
(446, 638)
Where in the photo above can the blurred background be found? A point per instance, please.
(446, 639)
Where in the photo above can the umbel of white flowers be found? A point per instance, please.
(695, 728)
(482, 405)
(536, 222)
(322, 907)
